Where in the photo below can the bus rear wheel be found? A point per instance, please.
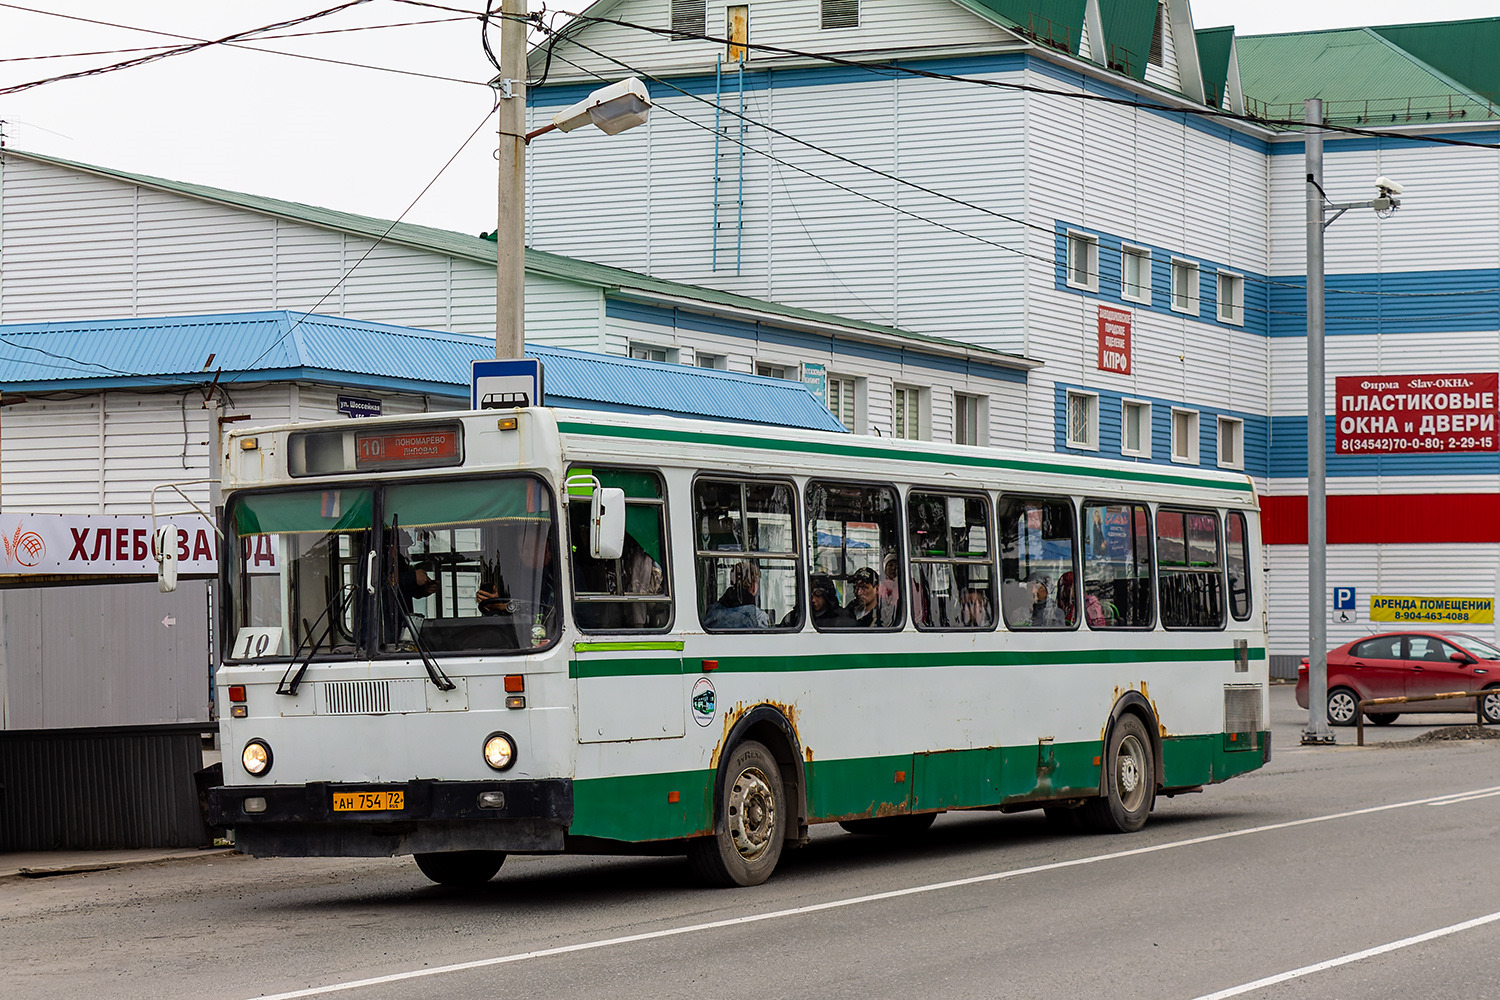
(1129, 780)
(912, 825)
(461, 868)
(751, 827)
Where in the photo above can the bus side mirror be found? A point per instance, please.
(164, 548)
(607, 523)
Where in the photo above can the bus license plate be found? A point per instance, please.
(383, 801)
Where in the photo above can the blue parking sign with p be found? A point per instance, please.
(1343, 598)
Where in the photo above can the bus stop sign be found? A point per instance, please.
(505, 383)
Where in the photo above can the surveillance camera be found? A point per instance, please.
(1386, 186)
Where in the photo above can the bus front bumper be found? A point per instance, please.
(329, 819)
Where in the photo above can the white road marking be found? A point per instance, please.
(1467, 797)
(1357, 956)
(915, 890)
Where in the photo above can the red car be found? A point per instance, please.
(1396, 664)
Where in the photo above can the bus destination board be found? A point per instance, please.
(407, 449)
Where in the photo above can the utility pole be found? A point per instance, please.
(510, 224)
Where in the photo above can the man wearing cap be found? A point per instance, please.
(862, 609)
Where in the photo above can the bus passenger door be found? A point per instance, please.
(628, 690)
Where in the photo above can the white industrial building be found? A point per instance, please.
(1054, 179)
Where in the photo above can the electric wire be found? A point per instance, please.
(178, 50)
(245, 370)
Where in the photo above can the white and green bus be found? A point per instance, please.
(468, 635)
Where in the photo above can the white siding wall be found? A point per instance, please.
(883, 25)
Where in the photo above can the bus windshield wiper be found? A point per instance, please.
(435, 673)
(338, 600)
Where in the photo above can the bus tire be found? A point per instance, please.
(750, 827)
(911, 825)
(1129, 780)
(461, 868)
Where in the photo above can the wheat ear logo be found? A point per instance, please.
(25, 548)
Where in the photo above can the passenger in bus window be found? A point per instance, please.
(823, 597)
(864, 609)
(1093, 611)
(1044, 610)
(889, 594)
(974, 609)
(737, 607)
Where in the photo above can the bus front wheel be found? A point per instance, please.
(461, 867)
(751, 826)
(1129, 780)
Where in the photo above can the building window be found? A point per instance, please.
(1231, 443)
(840, 14)
(841, 400)
(1083, 420)
(1231, 298)
(1135, 275)
(969, 419)
(1135, 428)
(1083, 262)
(907, 416)
(1185, 287)
(1185, 436)
(776, 371)
(716, 361)
(689, 20)
(650, 352)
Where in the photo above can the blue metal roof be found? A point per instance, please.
(280, 345)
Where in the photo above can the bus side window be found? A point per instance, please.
(745, 537)
(1117, 565)
(631, 593)
(1038, 553)
(951, 563)
(1190, 566)
(1237, 562)
(852, 534)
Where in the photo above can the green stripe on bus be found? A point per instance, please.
(887, 661)
(625, 647)
(871, 451)
(640, 807)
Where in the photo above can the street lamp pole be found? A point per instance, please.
(1319, 219)
(1317, 440)
(510, 223)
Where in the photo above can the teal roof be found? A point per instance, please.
(1215, 46)
(1363, 77)
(481, 250)
(1128, 27)
(1465, 51)
(1058, 22)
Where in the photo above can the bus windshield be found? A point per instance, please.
(446, 567)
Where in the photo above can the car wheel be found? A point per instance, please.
(1382, 718)
(747, 839)
(461, 867)
(1343, 704)
(1489, 706)
(1129, 781)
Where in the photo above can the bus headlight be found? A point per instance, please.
(256, 757)
(499, 751)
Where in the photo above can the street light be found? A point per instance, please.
(1318, 207)
(613, 109)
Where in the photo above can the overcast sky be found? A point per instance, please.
(358, 139)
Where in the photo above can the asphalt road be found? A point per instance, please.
(1334, 872)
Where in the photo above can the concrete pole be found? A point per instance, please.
(510, 224)
(1317, 471)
